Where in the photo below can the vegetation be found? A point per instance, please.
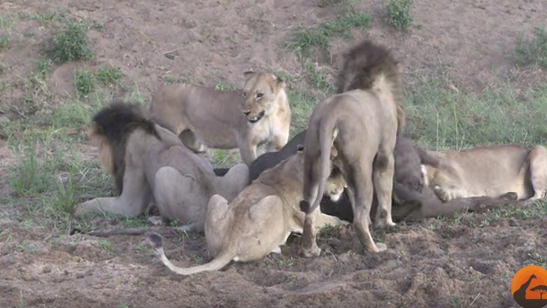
(71, 43)
(398, 14)
(51, 176)
(532, 51)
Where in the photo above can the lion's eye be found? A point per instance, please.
(259, 95)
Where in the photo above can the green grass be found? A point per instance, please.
(84, 82)
(533, 50)
(441, 118)
(320, 36)
(5, 32)
(302, 105)
(71, 43)
(398, 14)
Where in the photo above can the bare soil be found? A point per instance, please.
(464, 262)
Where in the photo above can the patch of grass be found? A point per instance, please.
(398, 14)
(224, 158)
(302, 105)
(316, 77)
(441, 118)
(28, 177)
(84, 82)
(531, 51)
(224, 87)
(105, 245)
(71, 43)
(4, 41)
(48, 18)
(320, 36)
(108, 76)
(5, 27)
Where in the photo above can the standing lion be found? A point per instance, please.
(356, 131)
(258, 114)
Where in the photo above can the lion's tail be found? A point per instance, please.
(327, 134)
(372, 67)
(216, 264)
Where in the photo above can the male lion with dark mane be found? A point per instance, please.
(259, 114)
(356, 131)
(151, 165)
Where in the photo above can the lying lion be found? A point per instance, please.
(245, 118)
(259, 220)
(490, 171)
(151, 165)
(356, 131)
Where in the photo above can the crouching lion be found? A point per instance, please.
(151, 165)
(491, 171)
(259, 220)
(355, 130)
(259, 114)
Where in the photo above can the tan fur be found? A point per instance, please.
(361, 123)
(257, 222)
(258, 114)
(157, 168)
(490, 171)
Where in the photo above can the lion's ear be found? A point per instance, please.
(300, 147)
(279, 82)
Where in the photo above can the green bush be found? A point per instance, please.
(398, 14)
(71, 43)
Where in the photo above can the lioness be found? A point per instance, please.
(150, 164)
(490, 171)
(356, 130)
(258, 114)
(258, 221)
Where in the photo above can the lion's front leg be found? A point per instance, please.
(132, 202)
(247, 152)
(309, 236)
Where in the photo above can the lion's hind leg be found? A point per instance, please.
(538, 171)
(177, 197)
(382, 176)
(361, 196)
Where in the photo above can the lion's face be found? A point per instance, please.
(334, 187)
(260, 92)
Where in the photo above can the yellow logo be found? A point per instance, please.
(529, 287)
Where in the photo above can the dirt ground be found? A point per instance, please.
(464, 262)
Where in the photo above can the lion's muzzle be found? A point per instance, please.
(257, 117)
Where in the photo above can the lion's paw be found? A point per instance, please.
(377, 248)
(441, 193)
(314, 251)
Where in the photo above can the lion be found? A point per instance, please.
(490, 171)
(151, 165)
(411, 197)
(258, 221)
(259, 114)
(355, 130)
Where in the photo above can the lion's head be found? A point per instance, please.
(260, 93)
(334, 187)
